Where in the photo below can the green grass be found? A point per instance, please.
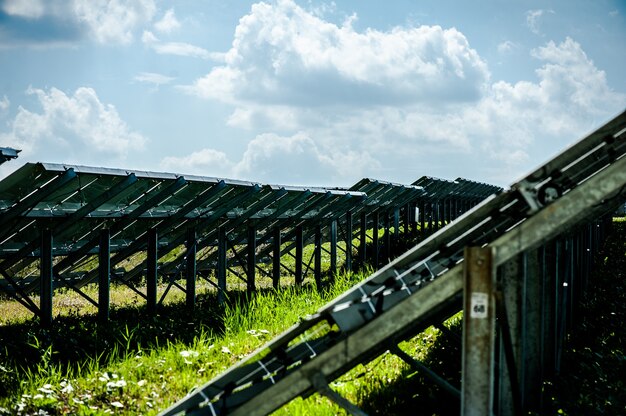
(81, 368)
(138, 364)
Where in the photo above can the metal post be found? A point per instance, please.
(436, 207)
(422, 218)
(512, 287)
(548, 322)
(363, 240)
(299, 252)
(251, 260)
(387, 237)
(375, 243)
(478, 333)
(333, 248)
(46, 288)
(151, 272)
(406, 219)
(318, 256)
(190, 269)
(221, 265)
(431, 217)
(348, 263)
(396, 229)
(104, 275)
(531, 364)
(276, 258)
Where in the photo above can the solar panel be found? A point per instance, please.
(425, 284)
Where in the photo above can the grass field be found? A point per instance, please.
(139, 364)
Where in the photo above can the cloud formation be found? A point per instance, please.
(405, 96)
(168, 22)
(177, 48)
(78, 128)
(5, 103)
(153, 78)
(533, 19)
(284, 55)
(43, 22)
(268, 157)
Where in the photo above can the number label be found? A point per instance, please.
(479, 305)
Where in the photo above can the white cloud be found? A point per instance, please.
(182, 49)
(286, 55)
(153, 78)
(29, 9)
(5, 103)
(178, 48)
(507, 46)
(148, 37)
(270, 158)
(207, 162)
(409, 96)
(76, 127)
(106, 21)
(111, 20)
(168, 22)
(614, 13)
(533, 18)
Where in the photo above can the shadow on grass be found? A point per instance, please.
(411, 392)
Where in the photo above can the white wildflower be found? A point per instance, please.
(116, 384)
(186, 354)
(141, 383)
(225, 350)
(117, 404)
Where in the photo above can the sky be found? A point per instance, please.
(308, 92)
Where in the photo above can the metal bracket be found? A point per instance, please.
(420, 367)
(319, 383)
(529, 193)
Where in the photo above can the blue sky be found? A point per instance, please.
(308, 92)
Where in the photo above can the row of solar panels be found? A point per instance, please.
(423, 286)
(76, 203)
(8, 153)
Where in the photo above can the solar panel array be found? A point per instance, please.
(70, 226)
(7, 153)
(425, 285)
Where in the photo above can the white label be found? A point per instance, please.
(479, 305)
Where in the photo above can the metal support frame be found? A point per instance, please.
(348, 261)
(333, 248)
(299, 277)
(276, 258)
(427, 372)
(396, 229)
(363, 241)
(104, 275)
(251, 259)
(221, 265)
(478, 332)
(190, 269)
(317, 269)
(375, 240)
(422, 219)
(319, 383)
(46, 284)
(152, 270)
